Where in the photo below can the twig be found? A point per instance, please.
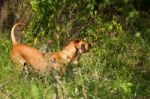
(4, 95)
(84, 92)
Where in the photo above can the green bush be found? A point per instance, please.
(117, 66)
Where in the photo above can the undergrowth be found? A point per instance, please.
(117, 67)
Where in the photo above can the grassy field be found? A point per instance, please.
(117, 67)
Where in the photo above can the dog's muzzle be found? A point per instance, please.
(85, 48)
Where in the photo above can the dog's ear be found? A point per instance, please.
(77, 41)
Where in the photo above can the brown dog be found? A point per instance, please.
(22, 54)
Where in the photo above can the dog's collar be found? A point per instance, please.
(68, 57)
(78, 54)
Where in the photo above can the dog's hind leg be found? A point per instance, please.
(26, 68)
(25, 71)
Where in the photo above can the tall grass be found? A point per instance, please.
(117, 67)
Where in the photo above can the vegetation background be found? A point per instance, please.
(117, 66)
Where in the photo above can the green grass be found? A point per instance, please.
(117, 67)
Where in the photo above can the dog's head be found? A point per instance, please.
(82, 46)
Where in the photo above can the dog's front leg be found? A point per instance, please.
(75, 62)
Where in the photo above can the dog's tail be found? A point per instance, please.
(14, 41)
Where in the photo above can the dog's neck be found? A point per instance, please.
(69, 53)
